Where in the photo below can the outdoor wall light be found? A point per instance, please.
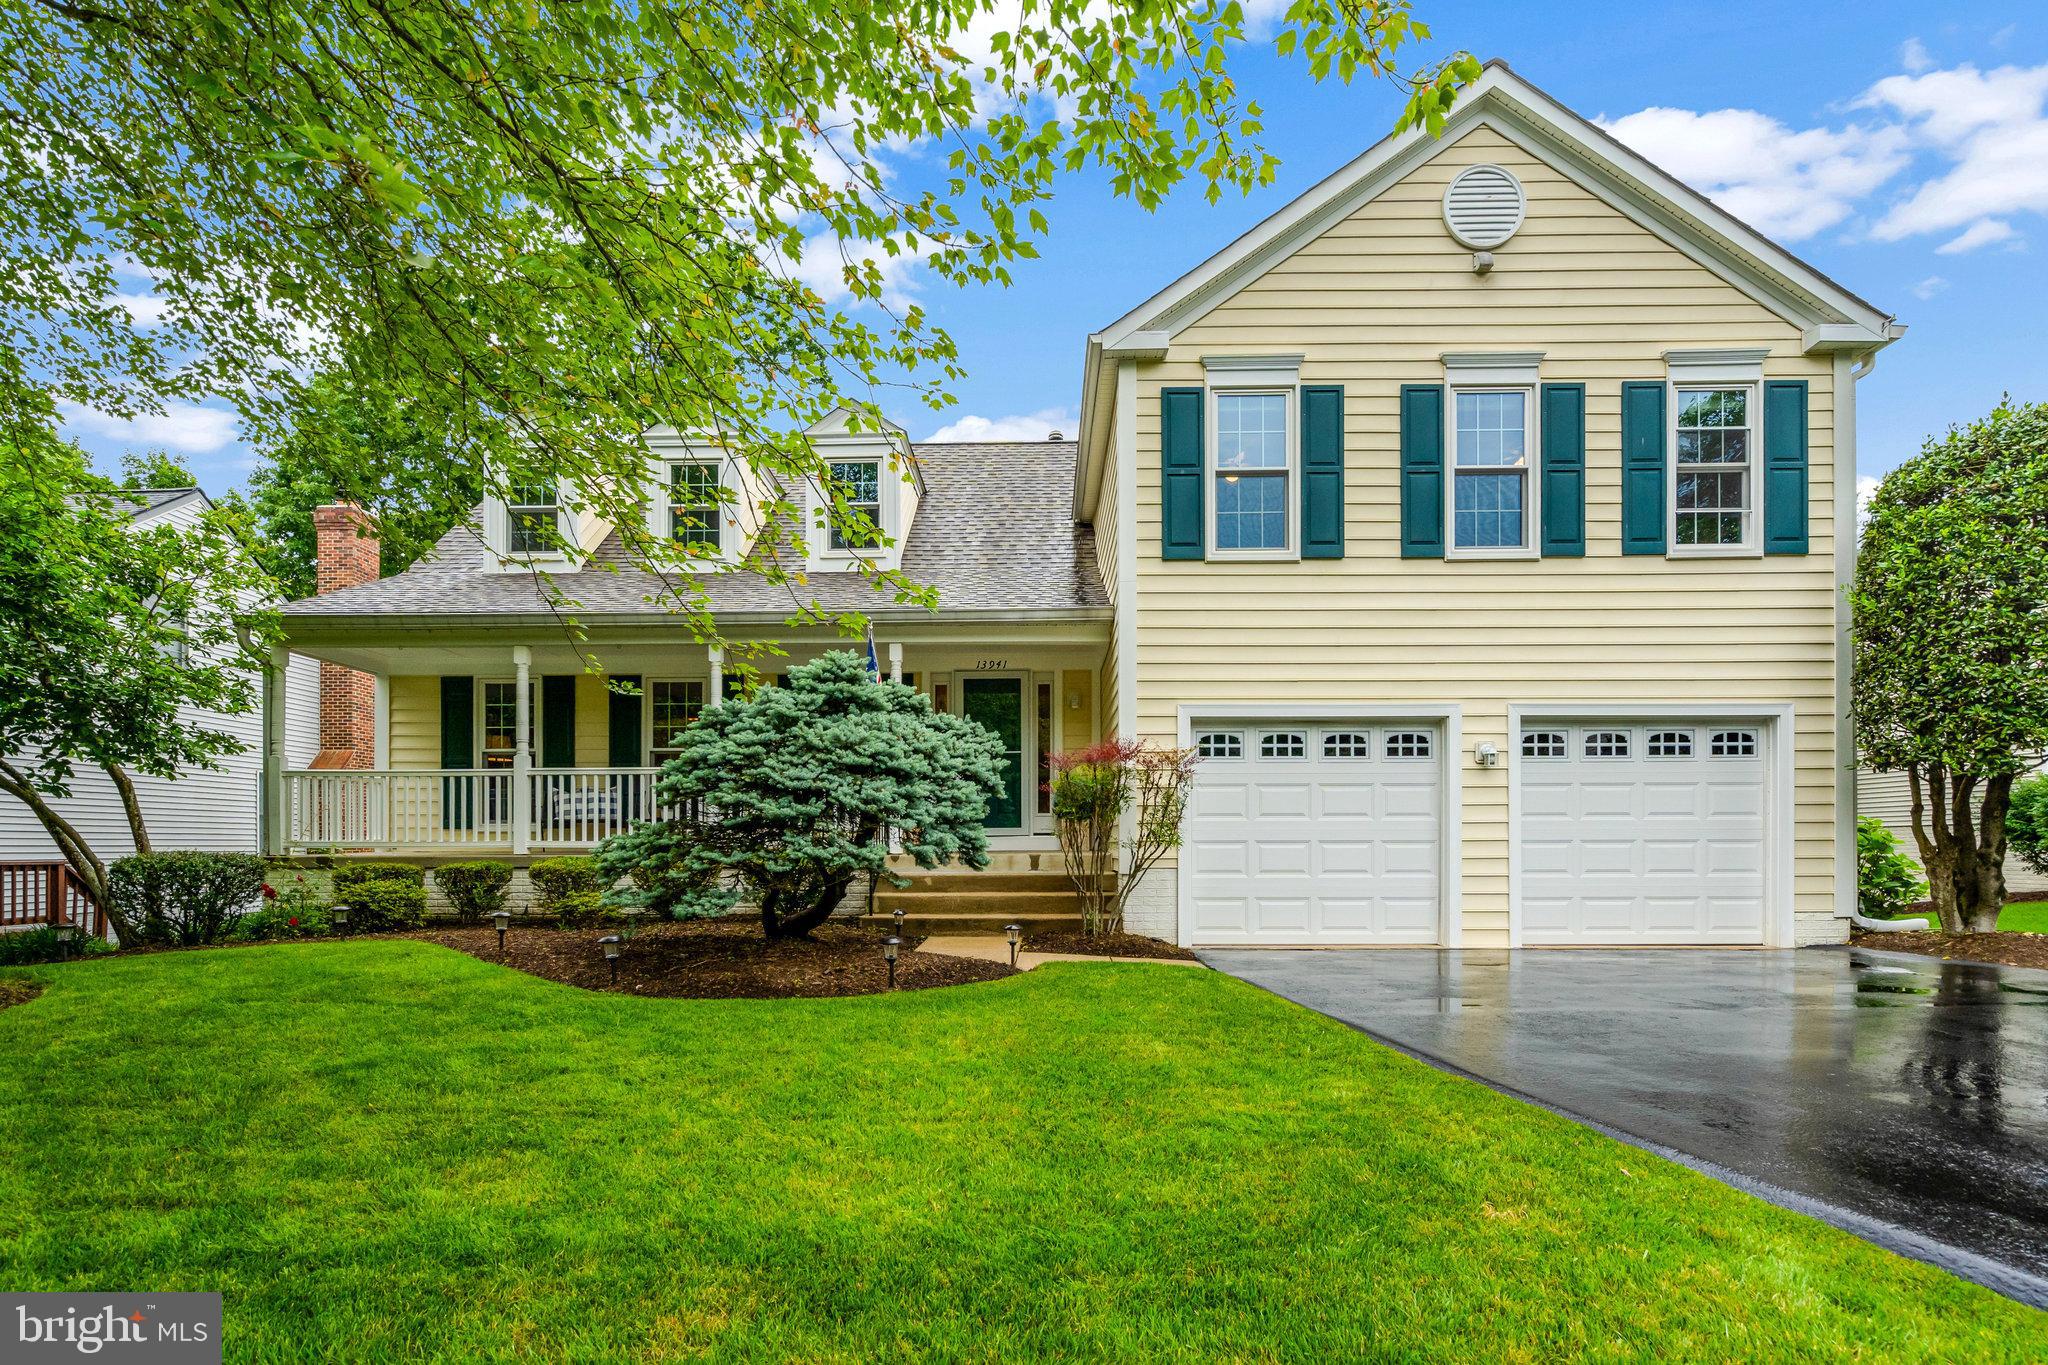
(1014, 933)
(341, 920)
(613, 946)
(1487, 754)
(504, 919)
(66, 935)
(891, 946)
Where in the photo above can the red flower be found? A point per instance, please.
(293, 921)
(269, 892)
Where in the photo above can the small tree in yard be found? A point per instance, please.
(1092, 789)
(790, 794)
(1951, 630)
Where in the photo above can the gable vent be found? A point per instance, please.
(1484, 206)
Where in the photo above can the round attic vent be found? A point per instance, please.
(1484, 206)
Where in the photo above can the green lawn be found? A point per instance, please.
(2025, 917)
(386, 1150)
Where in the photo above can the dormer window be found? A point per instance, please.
(695, 517)
(533, 514)
(859, 483)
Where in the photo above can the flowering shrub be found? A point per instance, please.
(289, 910)
(1092, 789)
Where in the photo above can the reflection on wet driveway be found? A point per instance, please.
(1904, 1090)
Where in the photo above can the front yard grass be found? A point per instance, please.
(2024, 917)
(382, 1150)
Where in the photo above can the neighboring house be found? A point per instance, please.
(1888, 796)
(1476, 516)
(213, 809)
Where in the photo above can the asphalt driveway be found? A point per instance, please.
(1901, 1097)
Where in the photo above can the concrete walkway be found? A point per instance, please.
(996, 948)
(1900, 1097)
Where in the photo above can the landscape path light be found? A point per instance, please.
(504, 918)
(66, 935)
(1014, 933)
(613, 945)
(891, 946)
(898, 913)
(341, 920)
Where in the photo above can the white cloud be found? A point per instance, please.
(184, 427)
(1030, 426)
(1983, 232)
(1788, 184)
(1866, 489)
(1914, 57)
(823, 268)
(1990, 128)
(1929, 287)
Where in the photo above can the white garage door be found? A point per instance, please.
(1314, 833)
(1637, 832)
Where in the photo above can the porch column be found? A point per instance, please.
(271, 834)
(896, 661)
(714, 691)
(522, 755)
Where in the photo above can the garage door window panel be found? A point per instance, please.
(1347, 744)
(1670, 744)
(1408, 744)
(1733, 744)
(1221, 744)
(1283, 744)
(1544, 744)
(1607, 744)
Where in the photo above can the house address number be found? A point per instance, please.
(990, 665)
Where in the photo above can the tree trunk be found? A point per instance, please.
(131, 806)
(1962, 848)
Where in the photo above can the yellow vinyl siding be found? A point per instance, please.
(1372, 304)
(1077, 723)
(415, 722)
(593, 722)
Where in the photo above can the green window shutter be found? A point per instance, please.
(558, 720)
(1180, 473)
(458, 750)
(1322, 471)
(623, 722)
(1784, 485)
(1422, 471)
(1564, 471)
(1642, 468)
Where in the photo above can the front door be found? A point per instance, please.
(997, 705)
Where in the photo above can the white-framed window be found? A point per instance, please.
(1408, 744)
(533, 519)
(1669, 744)
(1220, 744)
(497, 730)
(1283, 744)
(1251, 503)
(695, 516)
(859, 482)
(1733, 744)
(1347, 744)
(1713, 468)
(1606, 744)
(1543, 744)
(1491, 495)
(672, 704)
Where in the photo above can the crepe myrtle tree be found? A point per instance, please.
(120, 645)
(788, 795)
(1950, 615)
(544, 229)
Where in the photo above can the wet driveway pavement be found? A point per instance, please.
(1901, 1097)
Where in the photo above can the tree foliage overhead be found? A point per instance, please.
(790, 794)
(548, 227)
(1951, 633)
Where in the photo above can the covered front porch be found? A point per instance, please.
(493, 741)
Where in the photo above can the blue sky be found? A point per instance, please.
(1906, 157)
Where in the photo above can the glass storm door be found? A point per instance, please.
(997, 705)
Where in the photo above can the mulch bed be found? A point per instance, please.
(1104, 945)
(15, 992)
(718, 959)
(2012, 950)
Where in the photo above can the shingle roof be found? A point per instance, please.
(994, 531)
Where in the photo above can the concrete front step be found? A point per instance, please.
(1009, 903)
(1007, 860)
(943, 926)
(971, 883)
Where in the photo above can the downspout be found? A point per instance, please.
(1866, 363)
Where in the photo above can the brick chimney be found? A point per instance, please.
(345, 555)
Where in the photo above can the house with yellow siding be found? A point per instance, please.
(1481, 518)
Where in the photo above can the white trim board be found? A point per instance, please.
(1776, 719)
(1450, 828)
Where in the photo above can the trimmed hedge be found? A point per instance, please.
(376, 906)
(560, 885)
(349, 876)
(475, 890)
(185, 897)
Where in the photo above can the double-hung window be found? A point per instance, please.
(499, 733)
(672, 706)
(694, 515)
(1713, 480)
(1253, 473)
(1491, 455)
(533, 519)
(859, 484)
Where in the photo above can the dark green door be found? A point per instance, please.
(997, 704)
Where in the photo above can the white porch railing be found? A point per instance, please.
(463, 808)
